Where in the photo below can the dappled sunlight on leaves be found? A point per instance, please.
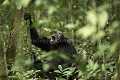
(86, 31)
(102, 18)
(22, 3)
(6, 2)
(92, 18)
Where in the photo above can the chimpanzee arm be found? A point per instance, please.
(39, 41)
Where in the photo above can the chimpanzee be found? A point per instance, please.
(56, 42)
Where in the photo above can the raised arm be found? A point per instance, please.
(37, 40)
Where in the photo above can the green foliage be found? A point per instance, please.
(67, 72)
(21, 3)
(94, 31)
(27, 75)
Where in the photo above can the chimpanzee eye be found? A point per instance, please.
(53, 37)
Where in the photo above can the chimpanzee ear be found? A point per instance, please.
(62, 36)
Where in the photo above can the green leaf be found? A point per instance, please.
(95, 66)
(43, 21)
(63, 56)
(66, 69)
(102, 18)
(38, 2)
(72, 69)
(103, 67)
(71, 26)
(91, 17)
(46, 67)
(60, 68)
(57, 71)
(91, 63)
(67, 73)
(86, 31)
(99, 35)
(51, 10)
(112, 49)
(6, 2)
(22, 3)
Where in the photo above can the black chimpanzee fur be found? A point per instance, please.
(56, 42)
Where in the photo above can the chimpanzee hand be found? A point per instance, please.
(27, 16)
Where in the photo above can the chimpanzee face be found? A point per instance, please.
(57, 38)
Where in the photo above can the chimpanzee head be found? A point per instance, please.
(58, 38)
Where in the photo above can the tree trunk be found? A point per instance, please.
(3, 66)
(14, 32)
(117, 12)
